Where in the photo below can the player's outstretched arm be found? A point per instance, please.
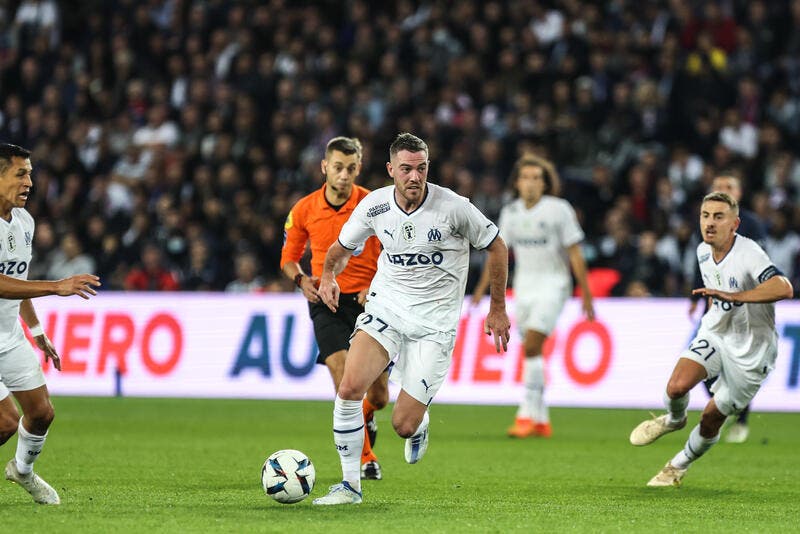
(772, 290)
(497, 323)
(335, 262)
(578, 264)
(81, 284)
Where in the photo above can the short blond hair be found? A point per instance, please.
(719, 196)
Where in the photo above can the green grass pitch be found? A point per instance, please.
(168, 465)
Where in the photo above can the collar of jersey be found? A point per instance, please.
(421, 203)
(727, 253)
(323, 203)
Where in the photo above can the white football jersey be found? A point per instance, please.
(422, 270)
(744, 326)
(16, 239)
(539, 237)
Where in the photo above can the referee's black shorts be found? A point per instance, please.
(333, 330)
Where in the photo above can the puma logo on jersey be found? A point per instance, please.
(387, 232)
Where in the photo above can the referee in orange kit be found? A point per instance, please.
(318, 218)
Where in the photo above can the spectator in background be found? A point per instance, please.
(782, 244)
(247, 279)
(151, 274)
(595, 84)
(69, 259)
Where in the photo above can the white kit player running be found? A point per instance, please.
(737, 341)
(544, 235)
(20, 370)
(414, 302)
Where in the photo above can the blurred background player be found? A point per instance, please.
(752, 227)
(317, 219)
(543, 233)
(20, 370)
(414, 302)
(737, 342)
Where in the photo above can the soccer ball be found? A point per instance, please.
(288, 476)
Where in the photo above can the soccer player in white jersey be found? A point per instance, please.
(544, 235)
(414, 302)
(20, 370)
(737, 341)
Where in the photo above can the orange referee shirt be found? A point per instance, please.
(313, 219)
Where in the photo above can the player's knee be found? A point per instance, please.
(404, 428)
(677, 388)
(8, 425)
(348, 392)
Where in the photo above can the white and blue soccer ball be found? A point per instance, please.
(288, 476)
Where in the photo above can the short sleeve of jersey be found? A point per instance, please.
(474, 225)
(358, 227)
(759, 265)
(570, 231)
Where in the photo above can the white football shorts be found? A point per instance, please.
(20, 370)
(539, 312)
(736, 384)
(421, 358)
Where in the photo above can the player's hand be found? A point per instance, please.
(715, 294)
(588, 309)
(362, 297)
(309, 284)
(329, 292)
(81, 284)
(498, 325)
(46, 346)
(475, 301)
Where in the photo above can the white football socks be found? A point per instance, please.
(533, 405)
(28, 448)
(696, 446)
(348, 434)
(676, 407)
(423, 425)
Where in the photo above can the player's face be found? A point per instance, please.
(341, 171)
(410, 173)
(15, 184)
(530, 183)
(718, 223)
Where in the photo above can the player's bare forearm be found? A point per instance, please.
(578, 264)
(335, 262)
(775, 289)
(28, 313)
(481, 286)
(497, 269)
(80, 284)
(497, 322)
(13, 288)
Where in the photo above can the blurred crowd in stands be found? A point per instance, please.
(171, 137)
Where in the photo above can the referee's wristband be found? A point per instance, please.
(36, 330)
(298, 278)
